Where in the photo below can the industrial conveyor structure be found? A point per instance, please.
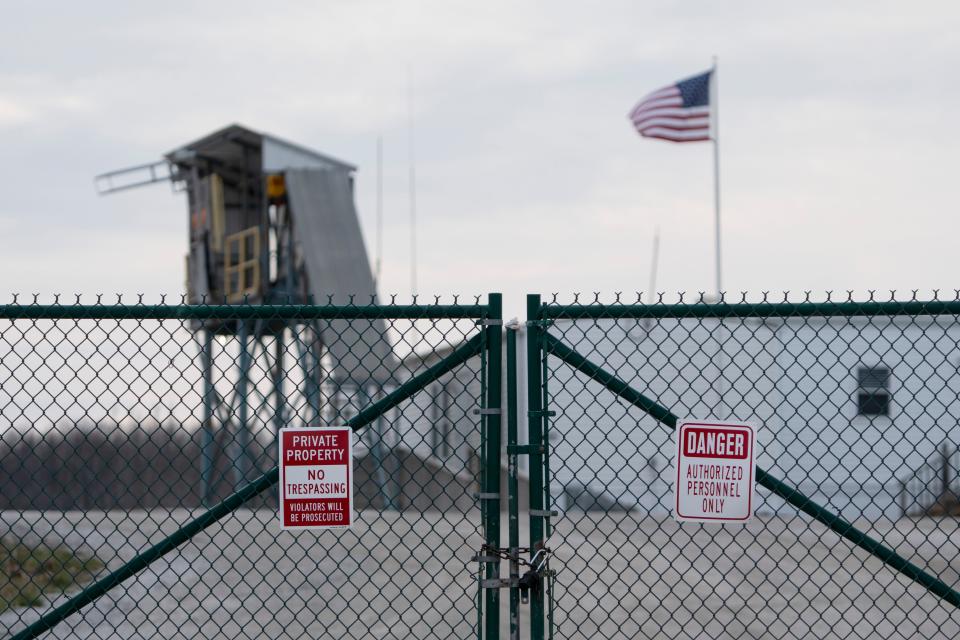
(270, 222)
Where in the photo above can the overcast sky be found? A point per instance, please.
(838, 129)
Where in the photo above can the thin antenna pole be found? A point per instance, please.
(413, 187)
(655, 260)
(653, 266)
(715, 136)
(379, 259)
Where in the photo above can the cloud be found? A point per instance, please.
(838, 134)
(12, 114)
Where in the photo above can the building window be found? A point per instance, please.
(873, 393)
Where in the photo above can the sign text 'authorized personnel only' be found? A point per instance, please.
(316, 478)
(715, 471)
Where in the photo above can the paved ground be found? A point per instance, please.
(409, 575)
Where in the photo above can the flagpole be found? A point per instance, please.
(715, 108)
(412, 185)
(720, 337)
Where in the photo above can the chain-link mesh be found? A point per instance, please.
(859, 404)
(119, 424)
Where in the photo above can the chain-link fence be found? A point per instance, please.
(859, 411)
(138, 465)
(122, 425)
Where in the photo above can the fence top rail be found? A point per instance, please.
(241, 312)
(847, 308)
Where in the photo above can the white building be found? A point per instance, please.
(848, 408)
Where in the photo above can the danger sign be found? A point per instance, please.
(316, 478)
(715, 471)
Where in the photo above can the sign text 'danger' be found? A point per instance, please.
(703, 442)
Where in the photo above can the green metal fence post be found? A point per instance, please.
(512, 482)
(535, 415)
(493, 331)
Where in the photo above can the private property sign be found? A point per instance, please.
(715, 471)
(316, 478)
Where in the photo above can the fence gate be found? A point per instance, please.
(138, 466)
(851, 537)
(138, 469)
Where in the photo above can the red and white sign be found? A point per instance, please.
(715, 471)
(316, 478)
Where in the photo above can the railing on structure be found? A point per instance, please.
(827, 555)
(142, 394)
(934, 488)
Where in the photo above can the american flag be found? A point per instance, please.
(679, 112)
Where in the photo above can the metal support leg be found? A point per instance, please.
(241, 444)
(379, 459)
(310, 390)
(209, 441)
(311, 368)
(279, 407)
(319, 400)
(391, 485)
